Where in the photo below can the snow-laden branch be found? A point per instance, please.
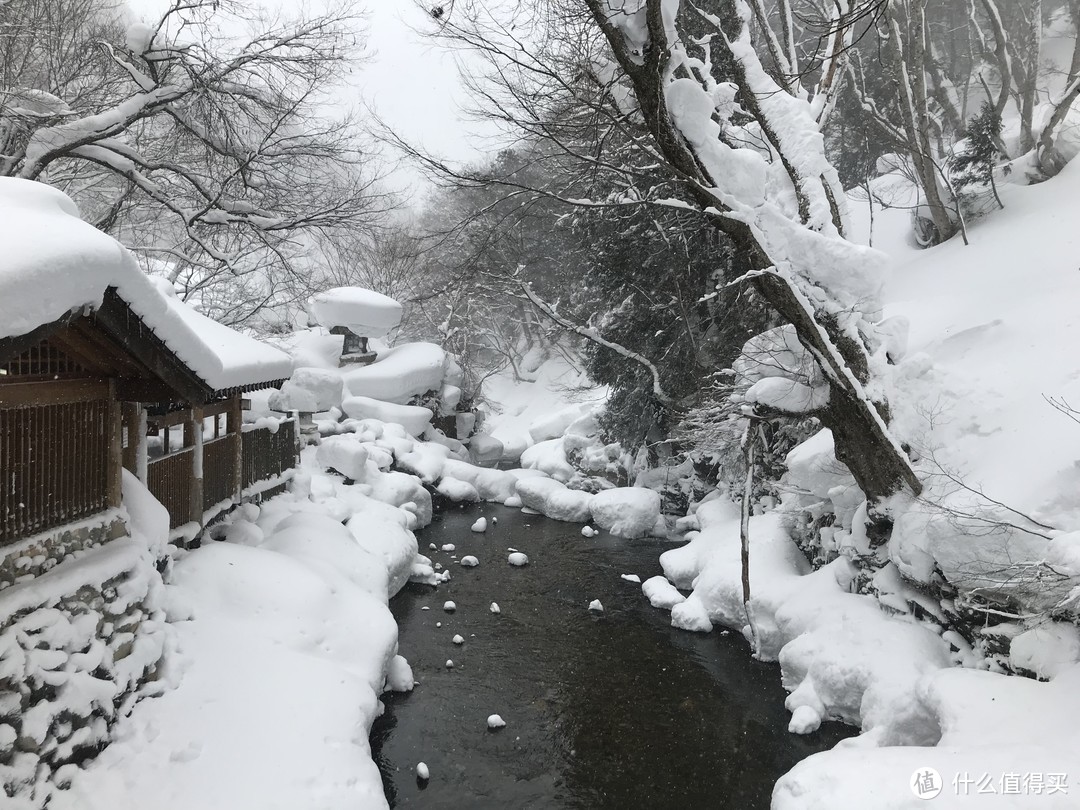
(593, 335)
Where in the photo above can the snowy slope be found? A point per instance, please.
(999, 321)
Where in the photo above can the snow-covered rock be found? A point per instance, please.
(626, 511)
(344, 454)
(484, 450)
(494, 721)
(469, 561)
(399, 675)
(399, 374)
(661, 593)
(479, 525)
(309, 389)
(518, 558)
(552, 498)
(595, 606)
(413, 418)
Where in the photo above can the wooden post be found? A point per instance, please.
(234, 427)
(193, 433)
(114, 418)
(141, 450)
(131, 431)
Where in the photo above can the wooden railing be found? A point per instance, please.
(268, 454)
(55, 462)
(218, 464)
(169, 478)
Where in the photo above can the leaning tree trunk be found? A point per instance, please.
(859, 424)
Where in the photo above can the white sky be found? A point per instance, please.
(412, 84)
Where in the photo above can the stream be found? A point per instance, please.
(603, 710)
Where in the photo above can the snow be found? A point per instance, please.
(458, 491)
(661, 593)
(399, 374)
(251, 639)
(399, 675)
(458, 639)
(469, 561)
(1006, 728)
(494, 608)
(55, 263)
(494, 721)
(309, 389)
(422, 771)
(626, 511)
(595, 605)
(449, 606)
(588, 531)
(551, 498)
(518, 558)
(631, 578)
(1047, 649)
(346, 454)
(364, 312)
(549, 457)
(554, 426)
(449, 664)
(742, 172)
(413, 418)
(480, 525)
(485, 450)
(525, 404)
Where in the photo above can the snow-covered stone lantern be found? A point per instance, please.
(356, 314)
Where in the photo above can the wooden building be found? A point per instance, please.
(81, 399)
(102, 370)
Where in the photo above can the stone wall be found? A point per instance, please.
(33, 556)
(79, 643)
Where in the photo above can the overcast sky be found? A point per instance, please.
(412, 84)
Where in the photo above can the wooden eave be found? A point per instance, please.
(114, 342)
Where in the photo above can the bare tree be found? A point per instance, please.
(702, 122)
(200, 139)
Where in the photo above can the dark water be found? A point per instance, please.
(617, 710)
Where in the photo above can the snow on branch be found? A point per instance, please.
(591, 334)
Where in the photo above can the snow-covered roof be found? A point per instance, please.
(53, 263)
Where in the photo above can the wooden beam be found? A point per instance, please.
(144, 390)
(51, 392)
(182, 416)
(125, 327)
